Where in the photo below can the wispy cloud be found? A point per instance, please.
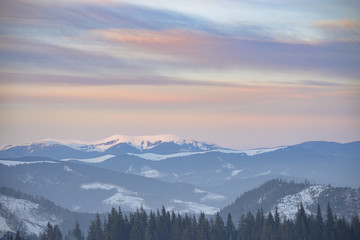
(340, 24)
(341, 29)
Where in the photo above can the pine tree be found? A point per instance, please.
(330, 225)
(203, 228)
(163, 225)
(176, 227)
(57, 233)
(268, 229)
(301, 223)
(10, 237)
(355, 227)
(257, 225)
(51, 233)
(277, 224)
(76, 233)
(150, 233)
(96, 231)
(319, 224)
(219, 228)
(17, 236)
(230, 228)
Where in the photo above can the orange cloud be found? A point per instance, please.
(339, 24)
(140, 36)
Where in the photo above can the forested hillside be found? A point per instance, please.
(165, 225)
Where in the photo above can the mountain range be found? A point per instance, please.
(184, 175)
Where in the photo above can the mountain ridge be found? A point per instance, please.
(286, 197)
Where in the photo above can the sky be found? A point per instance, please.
(242, 74)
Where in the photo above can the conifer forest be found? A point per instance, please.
(165, 225)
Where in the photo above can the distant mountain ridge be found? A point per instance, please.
(117, 144)
(85, 188)
(188, 176)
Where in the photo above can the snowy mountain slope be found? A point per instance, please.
(30, 215)
(288, 205)
(81, 187)
(286, 196)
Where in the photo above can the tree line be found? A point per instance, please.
(165, 225)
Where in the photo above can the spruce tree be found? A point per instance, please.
(330, 225)
(319, 224)
(203, 228)
(355, 227)
(76, 233)
(277, 224)
(17, 236)
(301, 223)
(230, 228)
(96, 231)
(219, 228)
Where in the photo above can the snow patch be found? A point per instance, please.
(90, 160)
(4, 227)
(76, 208)
(262, 174)
(70, 170)
(288, 205)
(105, 186)
(159, 157)
(150, 173)
(195, 208)
(11, 163)
(123, 197)
(234, 173)
(228, 165)
(209, 196)
(66, 168)
(251, 152)
(124, 200)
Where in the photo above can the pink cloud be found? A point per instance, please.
(339, 24)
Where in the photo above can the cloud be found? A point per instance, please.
(340, 24)
(141, 36)
(55, 79)
(341, 29)
(120, 43)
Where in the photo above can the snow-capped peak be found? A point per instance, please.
(140, 142)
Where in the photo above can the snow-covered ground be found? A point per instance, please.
(159, 157)
(90, 160)
(234, 173)
(125, 198)
(252, 152)
(288, 205)
(28, 213)
(192, 207)
(150, 173)
(4, 227)
(10, 163)
(262, 173)
(209, 196)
